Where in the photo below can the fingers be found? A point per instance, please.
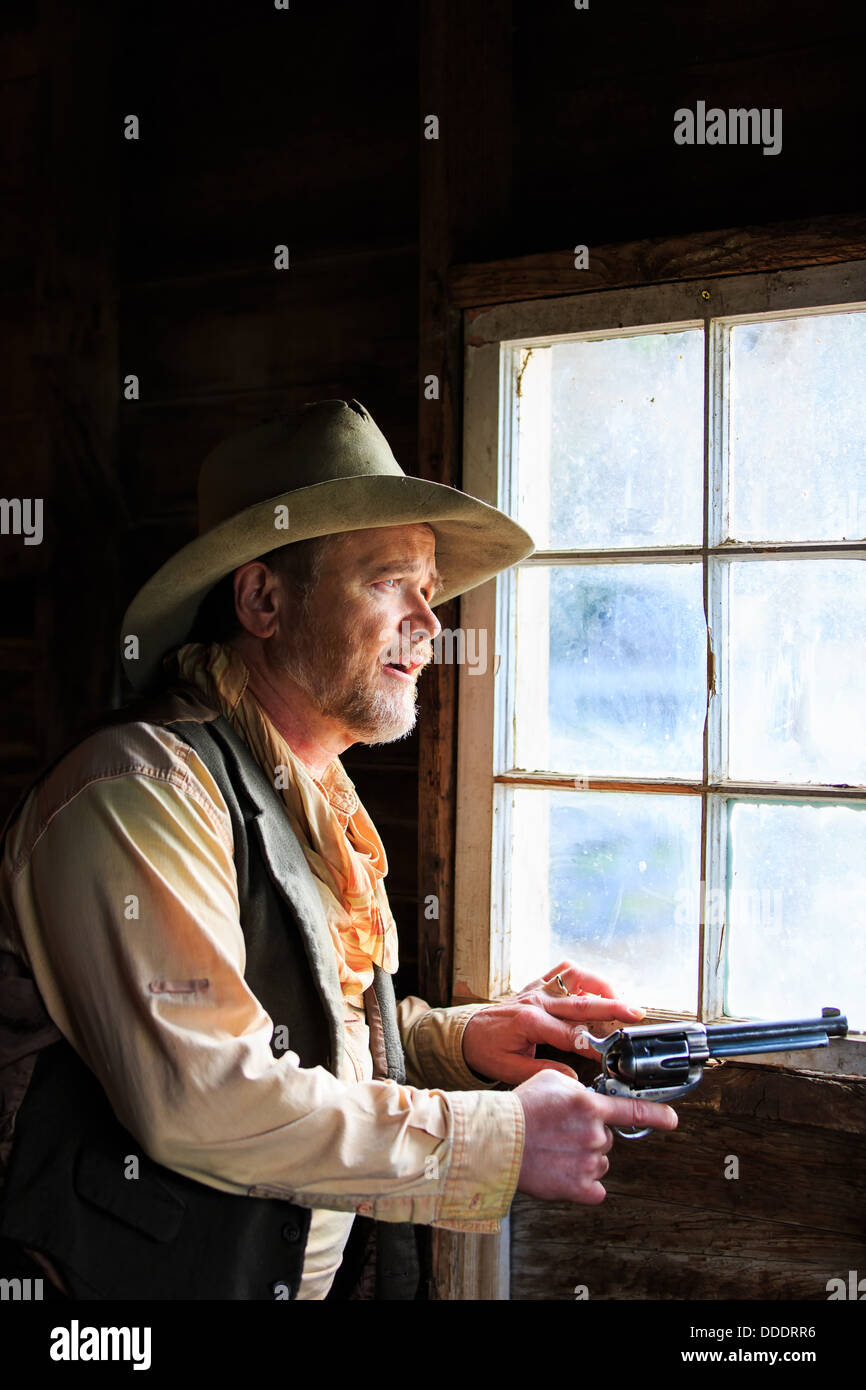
(567, 1141)
(540, 1025)
(590, 1006)
(642, 1114)
(580, 981)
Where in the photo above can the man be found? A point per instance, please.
(214, 1077)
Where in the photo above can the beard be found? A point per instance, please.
(331, 671)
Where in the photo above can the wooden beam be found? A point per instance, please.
(731, 251)
(465, 191)
(644, 1247)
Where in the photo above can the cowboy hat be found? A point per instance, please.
(324, 469)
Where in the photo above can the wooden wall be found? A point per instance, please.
(756, 1195)
(263, 128)
(155, 257)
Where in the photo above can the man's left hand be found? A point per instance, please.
(499, 1041)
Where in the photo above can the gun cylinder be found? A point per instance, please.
(662, 1060)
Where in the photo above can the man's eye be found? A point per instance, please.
(387, 581)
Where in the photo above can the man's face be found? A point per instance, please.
(373, 593)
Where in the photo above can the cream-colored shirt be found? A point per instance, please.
(118, 888)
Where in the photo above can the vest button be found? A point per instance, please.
(291, 1234)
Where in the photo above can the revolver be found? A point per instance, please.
(660, 1061)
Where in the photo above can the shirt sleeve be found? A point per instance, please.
(433, 1045)
(128, 912)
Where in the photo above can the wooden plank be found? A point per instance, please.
(436, 803)
(470, 1267)
(481, 946)
(465, 186)
(656, 260)
(789, 1173)
(437, 461)
(621, 1274)
(797, 1138)
(312, 323)
(789, 1097)
(638, 1247)
(648, 1223)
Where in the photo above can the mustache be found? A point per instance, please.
(401, 653)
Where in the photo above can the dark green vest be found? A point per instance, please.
(162, 1235)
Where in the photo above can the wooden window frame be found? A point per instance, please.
(477, 1267)
(494, 361)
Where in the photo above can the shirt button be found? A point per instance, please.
(291, 1234)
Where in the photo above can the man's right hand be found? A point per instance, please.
(567, 1136)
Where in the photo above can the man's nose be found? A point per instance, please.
(424, 622)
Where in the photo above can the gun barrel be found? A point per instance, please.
(739, 1039)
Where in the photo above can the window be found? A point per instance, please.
(666, 778)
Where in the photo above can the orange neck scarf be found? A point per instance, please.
(340, 842)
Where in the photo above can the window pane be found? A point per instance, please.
(797, 429)
(798, 671)
(626, 442)
(613, 892)
(796, 929)
(611, 663)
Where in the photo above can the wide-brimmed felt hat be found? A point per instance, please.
(323, 469)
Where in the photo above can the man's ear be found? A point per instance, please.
(259, 598)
